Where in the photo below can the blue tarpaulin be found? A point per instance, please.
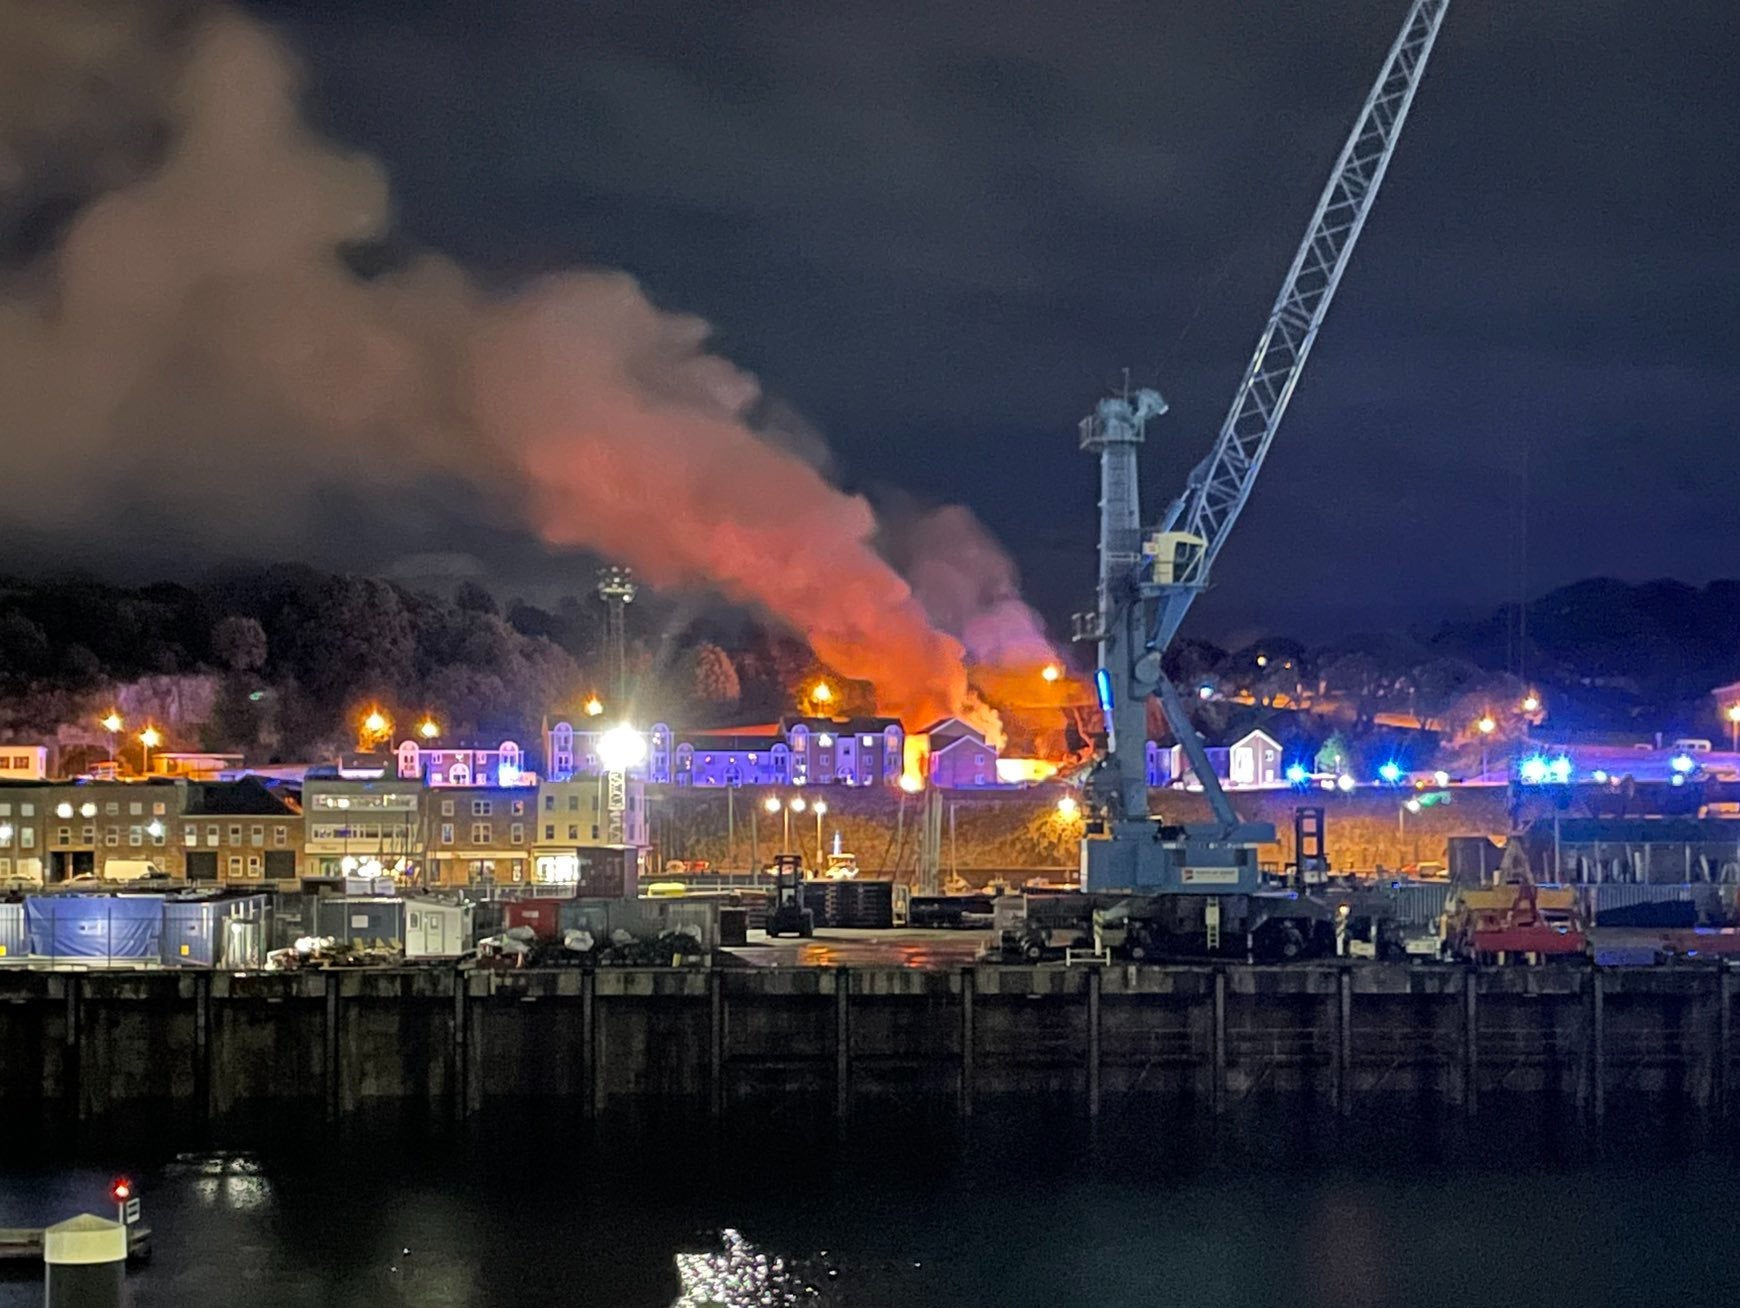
(90, 926)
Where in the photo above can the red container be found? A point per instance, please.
(541, 915)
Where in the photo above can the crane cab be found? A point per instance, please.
(1174, 558)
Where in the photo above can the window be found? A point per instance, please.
(253, 865)
(573, 831)
(27, 810)
(549, 803)
(111, 809)
(518, 832)
(158, 810)
(480, 808)
(135, 835)
(157, 835)
(112, 836)
(27, 837)
(190, 836)
(549, 832)
(135, 809)
(235, 865)
(480, 833)
(446, 833)
(235, 833)
(573, 802)
(447, 808)
(90, 834)
(280, 836)
(519, 808)
(211, 836)
(63, 835)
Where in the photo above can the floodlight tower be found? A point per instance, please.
(617, 589)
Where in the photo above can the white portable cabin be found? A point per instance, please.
(436, 929)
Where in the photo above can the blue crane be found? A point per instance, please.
(1148, 581)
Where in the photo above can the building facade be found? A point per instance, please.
(479, 835)
(87, 826)
(502, 764)
(794, 751)
(240, 832)
(576, 842)
(362, 826)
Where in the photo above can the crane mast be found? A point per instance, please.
(1147, 584)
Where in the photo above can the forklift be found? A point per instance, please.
(788, 916)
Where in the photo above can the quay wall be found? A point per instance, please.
(85, 1045)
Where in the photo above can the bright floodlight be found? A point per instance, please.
(1051, 672)
(112, 722)
(1067, 807)
(771, 803)
(1560, 768)
(1345, 781)
(1391, 772)
(621, 748)
(1440, 778)
(1413, 806)
(797, 805)
(1681, 763)
(1600, 776)
(1534, 770)
(428, 728)
(822, 692)
(820, 807)
(1734, 712)
(593, 706)
(154, 828)
(1532, 704)
(151, 738)
(911, 783)
(1486, 725)
(1296, 774)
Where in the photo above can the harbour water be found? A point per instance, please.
(1271, 1207)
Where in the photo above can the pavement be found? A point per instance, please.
(847, 947)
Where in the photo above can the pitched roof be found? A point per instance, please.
(244, 798)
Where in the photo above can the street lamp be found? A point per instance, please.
(1051, 672)
(1734, 728)
(822, 693)
(149, 739)
(820, 809)
(593, 707)
(428, 728)
(1486, 726)
(1068, 809)
(1531, 703)
(113, 723)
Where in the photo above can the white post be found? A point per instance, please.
(84, 1262)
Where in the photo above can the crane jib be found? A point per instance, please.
(1176, 561)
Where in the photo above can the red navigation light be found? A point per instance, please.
(121, 1190)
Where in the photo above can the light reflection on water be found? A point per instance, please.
(1276, 1210)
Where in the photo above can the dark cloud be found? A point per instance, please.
(940, 231)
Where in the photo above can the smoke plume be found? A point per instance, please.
(186, 344)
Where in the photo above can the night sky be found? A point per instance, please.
(939, 232)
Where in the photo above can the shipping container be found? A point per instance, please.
(542, 916)
(92, 928)
(14, 939)
(1419, 903)
(435, 929)
(193, 930)
(361, 921)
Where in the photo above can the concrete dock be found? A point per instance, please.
(214, 1043)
